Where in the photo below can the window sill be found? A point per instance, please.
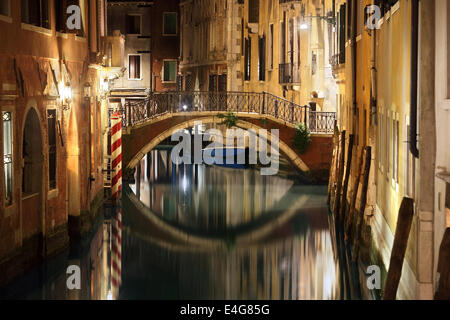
(135, 79)
(62, 35)
(41, 30)
(445, 105)
(169, 82)
(9, 210)
(6, 19)
(169, 35)
(80, 38)
(52, 194)
(28, 196)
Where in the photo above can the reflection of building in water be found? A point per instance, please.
(301, 266)
(298, 268)
(203, 196)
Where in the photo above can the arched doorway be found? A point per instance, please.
(73, 174)
(32, 173)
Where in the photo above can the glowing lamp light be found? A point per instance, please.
(304, 26)
(185, 107)
(87, 91)
(65, 95)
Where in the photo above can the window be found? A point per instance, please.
(4, 7)
(349, 18)
(36, 12)
(262, 58)
(380, 139)
(51, 120)
(134, 24)
(8, 155)
(61, 16)
(170, 71)
(410, 170)
(242, 37)
(253, 11)
(247, 59)
(170, 24)
(387, 144)
(298, 43)
(341, 34)
(395, 149)
(134, 67)
(271, 47)
(283, 39)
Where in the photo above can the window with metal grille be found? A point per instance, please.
(8, 156)
(51, 120)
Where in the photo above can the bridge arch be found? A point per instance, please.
(187, 123)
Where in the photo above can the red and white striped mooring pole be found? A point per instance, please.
(116, 156)
(116, 188)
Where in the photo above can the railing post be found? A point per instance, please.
(128, 113)
(292, 112)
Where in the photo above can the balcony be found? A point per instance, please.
(289, 74)
(337, 62)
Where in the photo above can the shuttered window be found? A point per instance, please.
(262, 58)
(134, 66)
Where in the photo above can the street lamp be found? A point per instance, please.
(304, 26)
(328, 19)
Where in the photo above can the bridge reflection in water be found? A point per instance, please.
(249, 237)
(294, 260)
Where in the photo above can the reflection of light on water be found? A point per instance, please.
(109, 296)
(184, 182)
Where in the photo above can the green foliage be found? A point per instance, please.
(264, 121)
(229, 119)
(302, 138)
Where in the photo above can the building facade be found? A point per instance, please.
(210, 47)
(391, 98)
(149, 48)
(286, 50)
(51, 128)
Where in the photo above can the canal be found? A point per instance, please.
(204, 232)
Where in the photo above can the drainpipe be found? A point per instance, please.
(414, 65)
(353, 47)
(373, 79)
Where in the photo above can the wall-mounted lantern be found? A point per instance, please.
(87, 91)
(65, 95)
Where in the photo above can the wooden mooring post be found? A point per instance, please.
(404, 222)
(337, 198)
(351, 213)
(362, 207)
(347, 177)
(333, 167)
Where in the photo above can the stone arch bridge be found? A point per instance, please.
(149, 121)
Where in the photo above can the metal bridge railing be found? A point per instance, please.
(160, 103)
